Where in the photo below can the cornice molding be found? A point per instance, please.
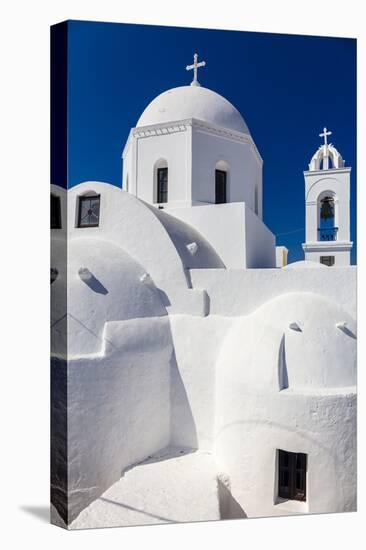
(160, 129)
(328, 173)
(327, 245)
(167, 128)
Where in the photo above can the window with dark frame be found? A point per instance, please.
(162, 185)
(88, 215)
(327, 260)
(55, 212)
(220, 186)
(292, 475)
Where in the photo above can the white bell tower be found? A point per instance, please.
(327, 198)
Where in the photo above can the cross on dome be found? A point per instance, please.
(195, 67)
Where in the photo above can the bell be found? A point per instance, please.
(327, 208)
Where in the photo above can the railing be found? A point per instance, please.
(327, 234)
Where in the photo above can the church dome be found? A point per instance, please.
(197, 102)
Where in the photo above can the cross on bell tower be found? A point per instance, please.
(325, 135)
(195, 67)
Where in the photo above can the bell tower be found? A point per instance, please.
(327, 200)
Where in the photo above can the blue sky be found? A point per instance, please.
(286, 87)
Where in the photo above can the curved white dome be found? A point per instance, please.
(183, 236)
(193, 102)
(300, 336)
(104, 284)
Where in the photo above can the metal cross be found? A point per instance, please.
(325, 134)
(195, 66)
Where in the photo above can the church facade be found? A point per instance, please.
(183, 335)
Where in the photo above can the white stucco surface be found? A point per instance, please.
(293, 341)
(333, 182)
(193, 382)
(139, 349)
(192, 131)
(238, 292)
(153, 241)
(192, 150)
(260, 243)
(193, 102)
(252, 245)
(237, 156)
(281, 256)
(251, 427)
(173, 485)
(183, 357)
(104, 285)
(194, 249)
(304, 264)
(286, 377)
(110, 398)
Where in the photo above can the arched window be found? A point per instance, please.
(88, 209)
(221, 182)
(55, 212)
(256, 198)
(327, 230)
(161, 181)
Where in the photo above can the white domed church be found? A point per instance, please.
(205, 378)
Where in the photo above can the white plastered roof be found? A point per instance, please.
(186, 102)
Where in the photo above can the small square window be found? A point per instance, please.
(327, 260)
(292, 475)
(88, 215)
(55, 212)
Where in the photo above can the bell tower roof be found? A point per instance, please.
(327, 156)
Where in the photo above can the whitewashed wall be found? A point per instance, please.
(240, 238)
(260, 243)
(114, 330)
(244, 168)
(197, 342)
(337, 183)
(192, 150)
(174, 147)
(118, 406)
(280, 388)
(239, 292)
(138, 228)
(139, 379)
(342, 258)
(256, 426)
